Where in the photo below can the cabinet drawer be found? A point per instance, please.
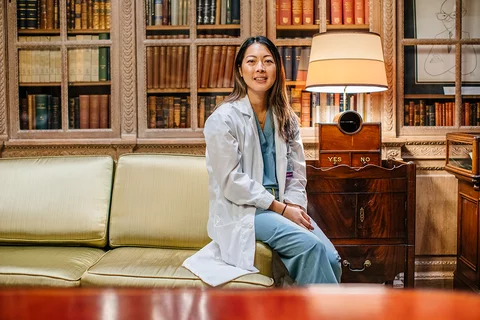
(361, 159)
(333, 159)
(370, 263)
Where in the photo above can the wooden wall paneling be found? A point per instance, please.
(3, 76)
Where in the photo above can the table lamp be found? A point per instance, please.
(346, 62)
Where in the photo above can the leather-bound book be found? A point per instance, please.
(288, 63)
(71, 113)
(56, 113)
(423, 113)
(150, 67)
(235, 5)
(159, 112)
(23, 114)
(221, 67)
(336, 9)
(152, 112)
(200, 55)
(176, 112)
(84, 111)
(229, 66)
(171, 112)
(179, 67)
(201, 111)
(185, 67)
(306, 109)
(168, 68)
(207, 62)
(94, 122)
(297, 12)
(104, 111)
(41, 112)
(173, 67)
(216, 58)
(189, 120)
(307, 12)
(359, 11)
(328, 12)
(348, 12)
(162, 65)
(285, 12)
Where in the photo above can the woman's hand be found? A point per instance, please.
(298, 215)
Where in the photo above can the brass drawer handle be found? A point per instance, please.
(362, 214)
(366, 264)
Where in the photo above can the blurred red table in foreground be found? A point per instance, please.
(315, 302)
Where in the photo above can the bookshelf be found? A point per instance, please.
(200, 46)
(434, 63)
(64, 75)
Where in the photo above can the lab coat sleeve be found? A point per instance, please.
(224, 156)
(295, 185)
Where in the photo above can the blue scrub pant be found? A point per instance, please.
(309, 256)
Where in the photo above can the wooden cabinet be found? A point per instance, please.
(369, 214)
(462, 160)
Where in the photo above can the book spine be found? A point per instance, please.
(94, 114)
(359, 11)
(297, 12)
(285, 12)
(348, 12)
(84, 111)
(41, 112)
(235, 7)
(336, 8)
(307, 12)
(104, 105)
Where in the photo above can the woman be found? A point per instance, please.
(256, 167)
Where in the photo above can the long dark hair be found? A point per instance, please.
(276, 96)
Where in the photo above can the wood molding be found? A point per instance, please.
(3, 76)
(258, 18)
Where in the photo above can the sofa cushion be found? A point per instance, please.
(152, 267)
(55, 200)
(160, 201)
(45, 266)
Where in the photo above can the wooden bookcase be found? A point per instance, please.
(69, 58)
(431, 58)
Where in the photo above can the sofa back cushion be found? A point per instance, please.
(55, 200)
(160, 200)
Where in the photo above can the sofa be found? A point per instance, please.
(85, 221)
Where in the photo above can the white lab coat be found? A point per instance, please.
(235, 168)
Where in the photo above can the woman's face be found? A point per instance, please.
(258, 68)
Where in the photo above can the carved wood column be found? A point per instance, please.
(128, 69)
(258, 16)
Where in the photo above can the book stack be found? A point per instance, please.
(295, 62)
(168, 112)
(471, 113)
(89, 111)
(349, 11)
(296, 12)
(40, 112)
(215, 66)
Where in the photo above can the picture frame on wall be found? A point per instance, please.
(435, 19)
(430, 68)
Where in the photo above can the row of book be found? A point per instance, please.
(305, 12)
(420, 113)
(39, 65)
(348, 11)
(295, 62)
(166, 12)
(215, 66)
(218, 11)
(89, 64)
(471, 112)
(88, 14)
(168, 67)
(168, 112)
(89, 111)
(38, 14)
(40, 112)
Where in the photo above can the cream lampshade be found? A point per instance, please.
(346, 62)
